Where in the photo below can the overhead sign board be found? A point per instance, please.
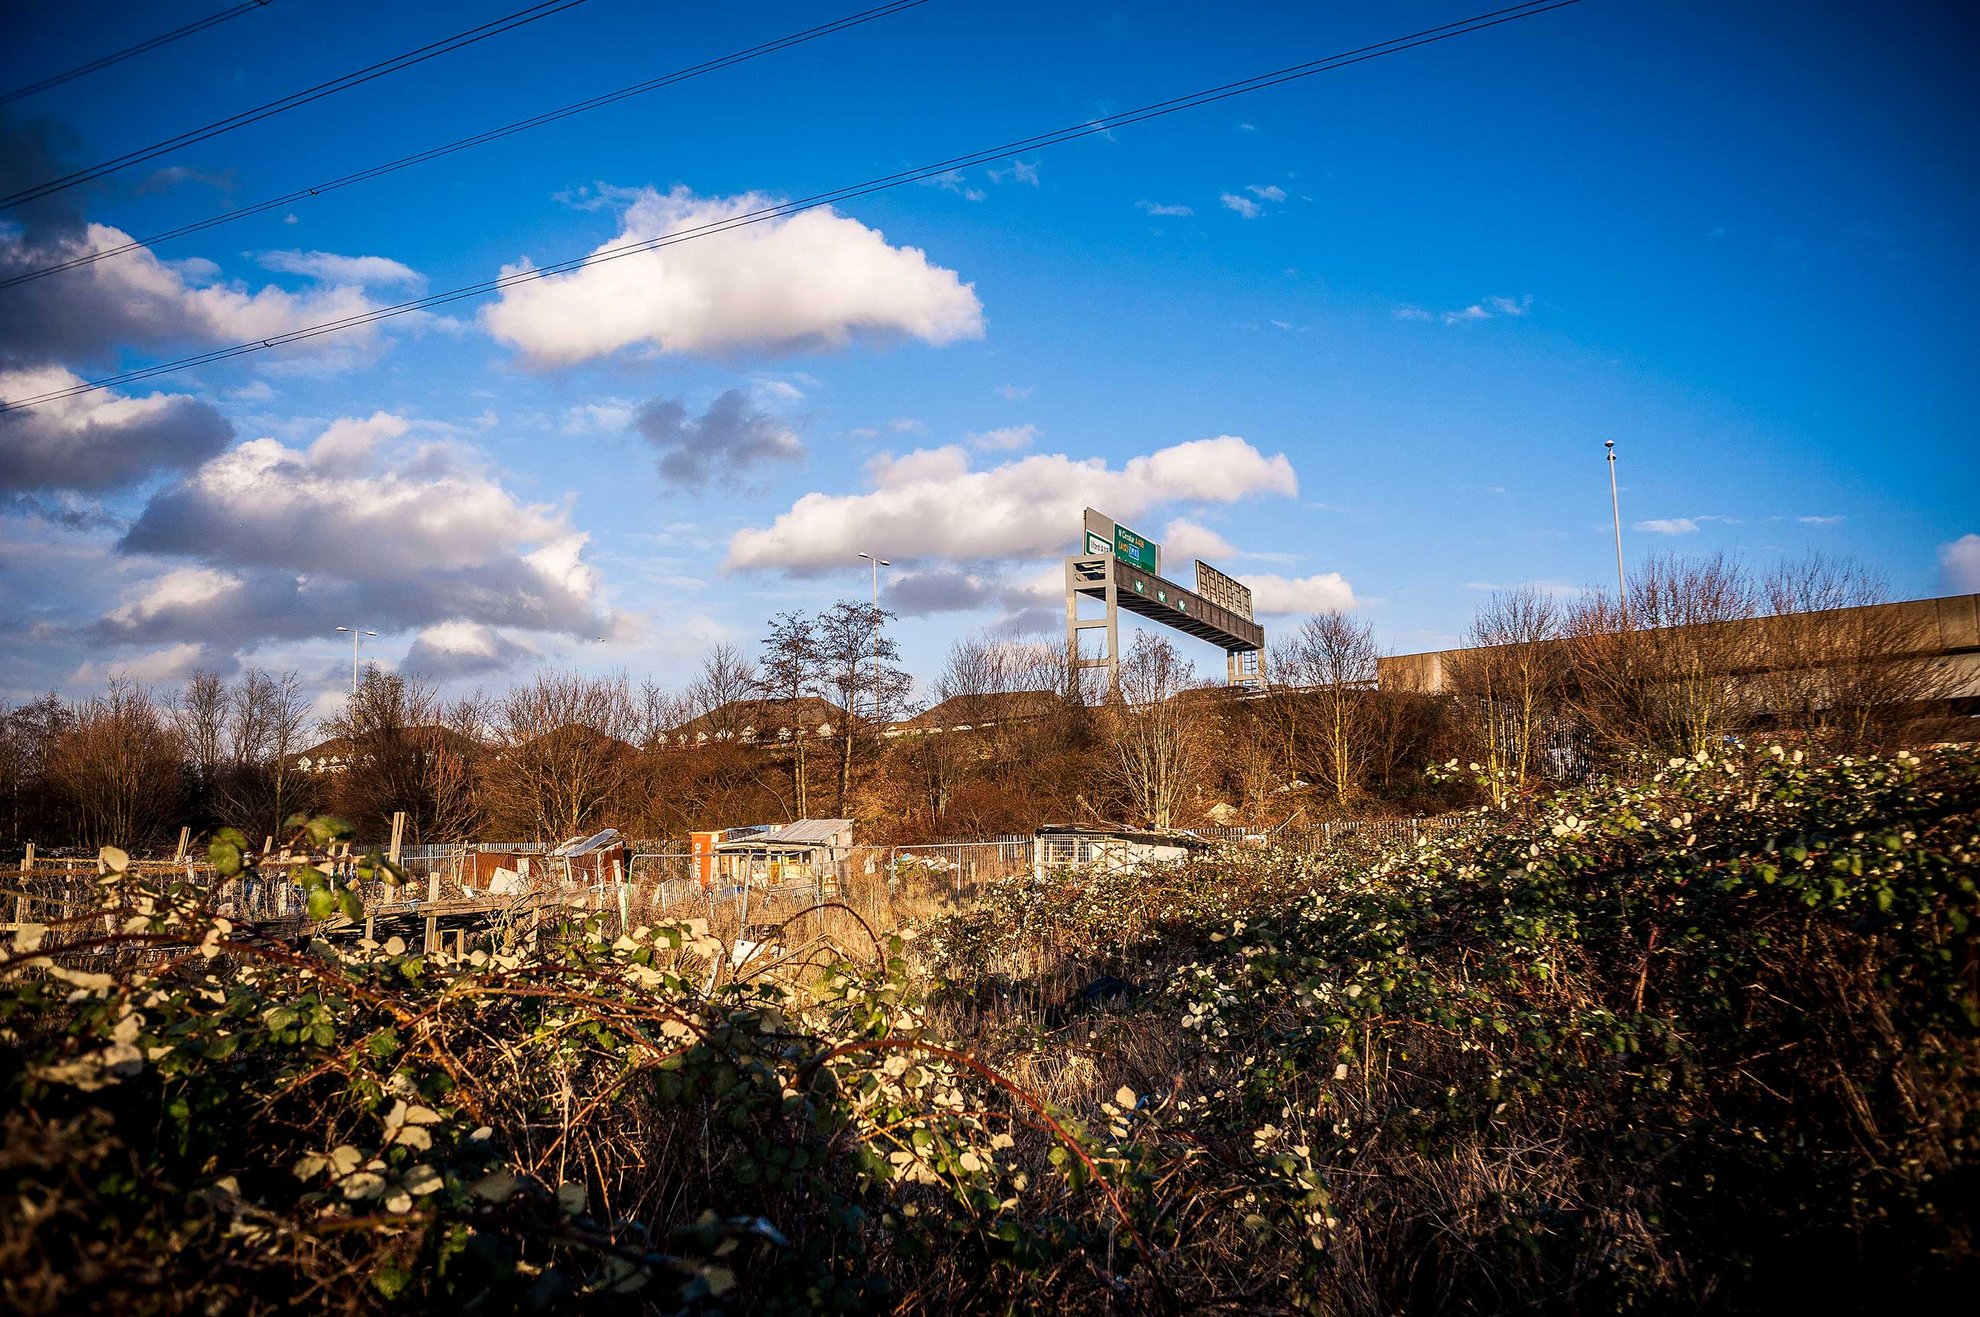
(1133, 550)
(1222, 591)
(1105, 535)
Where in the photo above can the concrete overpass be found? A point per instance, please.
(1947, 628)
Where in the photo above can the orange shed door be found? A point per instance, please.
(701, 848)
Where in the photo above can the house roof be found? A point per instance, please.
(980, 710)
(811, 831)
(334, 748)
(564, 733)
(763, 717)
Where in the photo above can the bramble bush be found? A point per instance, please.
(1691, 1039)
(1696, 1039)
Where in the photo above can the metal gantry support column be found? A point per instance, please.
(1088, 575)
(1245, 667)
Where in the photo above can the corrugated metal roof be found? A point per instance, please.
(816, 832)
(1188, 841)
(577, 846)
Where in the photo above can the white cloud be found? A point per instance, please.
(931, 504)
(1019, 172)
(813, 280)
(368, 522)
(1289, 596)
(1014, 392)
(1553, 589)
(1668, 525)
(1244, 206)
(1485, 309)
(1959, 562)
(137, 300)
(1008, 439)
(1835, 520)
(611, 416)
(954, 180)
(1270, 192)
(1157, 209)
(1184, 539)
(330, 268)
(99, 441)
(159, 667)
(461, 649)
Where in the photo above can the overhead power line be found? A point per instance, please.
(1092, 127)
(493, 134)
(433, 50)
(163, 39)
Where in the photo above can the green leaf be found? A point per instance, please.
(391, 1281)
(225, 857)
(323, 829)
(322, 902)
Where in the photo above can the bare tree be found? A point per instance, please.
(789, 673)
(563, 763)
(1665, 673)
(391, 730)
(657, 711)
(1841, 665)
(1330, 665)
(857, 657)
(32, 799)
(1507, 683)
(1157, 743)
(267, 718)
(726, 680)
(119, 764)
(456, 751)
(199, 715)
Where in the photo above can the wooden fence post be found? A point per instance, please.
(185, 839)
(21, 901)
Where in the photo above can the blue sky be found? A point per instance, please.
(1357, 339)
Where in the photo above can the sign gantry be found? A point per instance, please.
(1120, 569)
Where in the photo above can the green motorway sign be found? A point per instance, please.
(1130, 548)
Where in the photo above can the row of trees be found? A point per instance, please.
(126, 767)
(1699, 651)
(1549, 686)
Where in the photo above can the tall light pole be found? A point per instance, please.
(878, 562)
(357, 638)
(1615, 507)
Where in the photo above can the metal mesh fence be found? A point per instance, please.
(882, 884)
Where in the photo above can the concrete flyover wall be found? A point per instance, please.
(1947, 627)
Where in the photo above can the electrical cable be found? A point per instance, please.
(478, 139)
(164, 39)
(433, 50)
(1091, 127)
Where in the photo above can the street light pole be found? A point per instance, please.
(357, 636)
(878, 562)
(1615, 507)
